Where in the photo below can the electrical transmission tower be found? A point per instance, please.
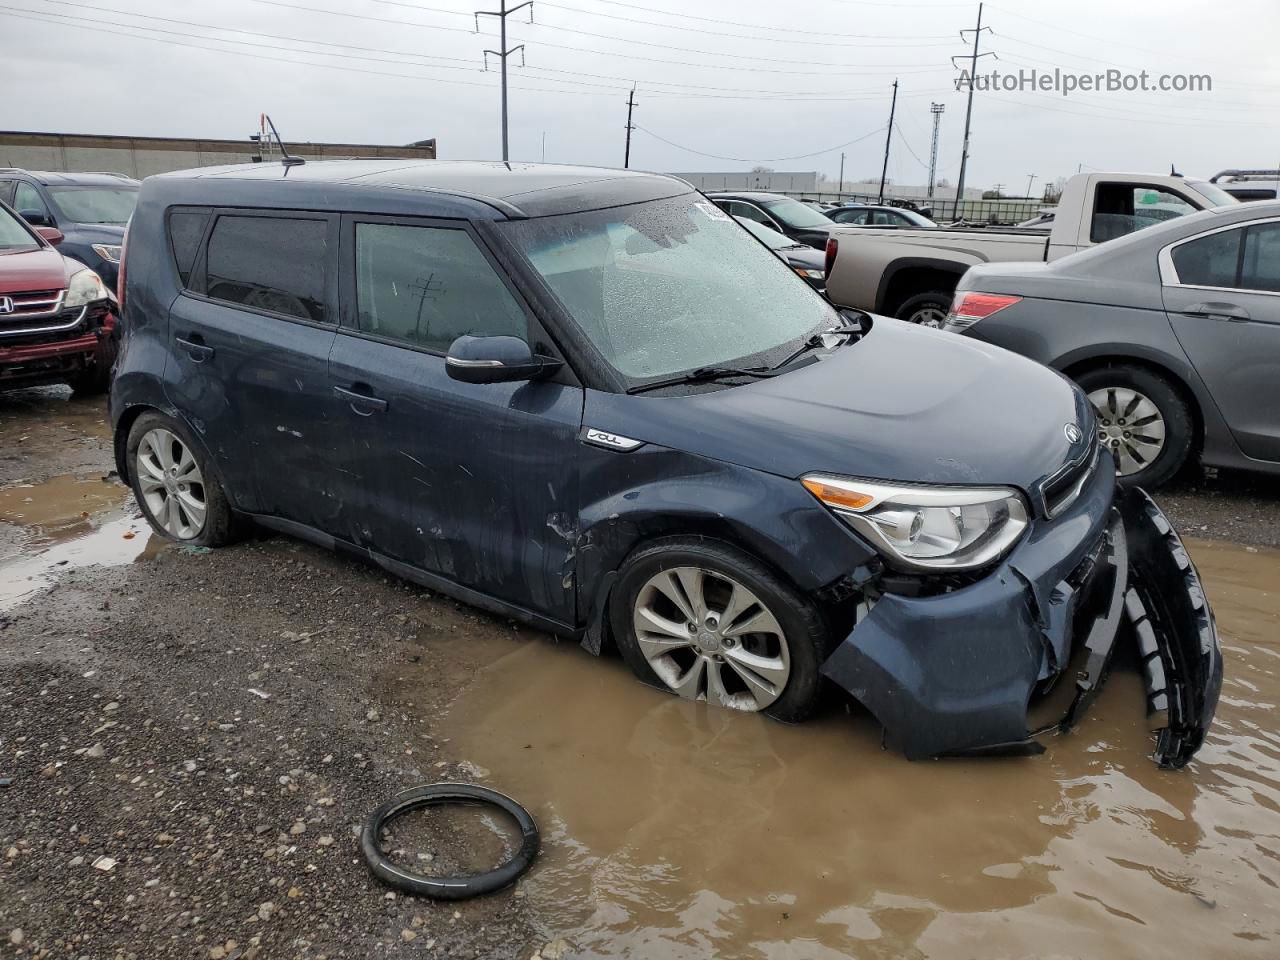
(502, 13)
(936, 109)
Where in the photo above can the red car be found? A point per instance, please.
(57, 318)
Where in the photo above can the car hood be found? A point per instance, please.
(42, 269)
(803, 256)
(905, 403)
(87, 233)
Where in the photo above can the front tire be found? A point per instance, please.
(707, 622)
(174, 486)
(926, 309)
(1142, 420)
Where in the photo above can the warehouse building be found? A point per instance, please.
(143, 156)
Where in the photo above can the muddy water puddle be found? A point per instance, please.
(673, 830)
(61, 523)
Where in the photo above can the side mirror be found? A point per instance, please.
(496, 360)
(52, 234)
(37, 218)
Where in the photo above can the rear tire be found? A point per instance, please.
(174, 485)
(926, 309)
(771, 669)
(1143, 420)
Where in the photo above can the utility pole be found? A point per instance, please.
(544, 146)
(502, 13)
(1030, 178)
(884, 171)
(936, 109)
(840, 189)
(968, 112)
(631, 104)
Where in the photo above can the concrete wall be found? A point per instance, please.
(143, 156)
(768, 182)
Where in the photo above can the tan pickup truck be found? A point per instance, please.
(911, 273)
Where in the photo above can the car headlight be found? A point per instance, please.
(810, 274)
(108, 251)
(85, 287)
(923, 527)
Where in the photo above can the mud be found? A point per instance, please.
(681, 831)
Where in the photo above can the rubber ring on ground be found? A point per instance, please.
(447, 888)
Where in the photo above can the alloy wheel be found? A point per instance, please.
(933, 317)
(1130, 426)
(709, 638)
(171, 484)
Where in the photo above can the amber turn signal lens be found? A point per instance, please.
(837, 496)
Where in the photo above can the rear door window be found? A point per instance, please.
(273, 264)
(186, 230)
(1260, 265)
(1209, 261)
(427, 286)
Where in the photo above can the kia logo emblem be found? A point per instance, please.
(6, 304)
(1074, 434)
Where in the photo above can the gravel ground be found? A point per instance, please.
(195, 738)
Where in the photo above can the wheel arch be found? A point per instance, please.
(906, 277)
(124, 425)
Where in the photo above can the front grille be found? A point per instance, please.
(1059, 491)
(33, 303)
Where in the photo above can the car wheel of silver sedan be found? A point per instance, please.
(710, 638)
(707, 622)
(1130, 426)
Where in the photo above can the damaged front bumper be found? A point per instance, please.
(953, 674)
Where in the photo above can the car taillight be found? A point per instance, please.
(832, 246)
(124, 251)
(968, 307)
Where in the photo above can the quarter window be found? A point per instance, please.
(1209, 261)
(275, 264)
(186, 230)
(1260, 265)
(427, 286)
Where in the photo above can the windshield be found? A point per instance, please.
(95, 204)
(795, 214)
(669, 285)
(1216, 196)
(14, 236)
(772, 238)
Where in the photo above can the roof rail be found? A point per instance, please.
(1246, 175)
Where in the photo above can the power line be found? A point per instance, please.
(754, 58)
(903, 137)
(756, 26)
(859, 40)
(799, 156)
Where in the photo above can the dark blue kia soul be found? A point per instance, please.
(590, 400)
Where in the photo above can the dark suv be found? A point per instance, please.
(90, 209)
(590, 400)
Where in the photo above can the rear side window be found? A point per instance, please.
(276, 264)
(1209, 261)
(186, 230)
(427, 286)
(1260, 265)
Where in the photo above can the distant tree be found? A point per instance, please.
(762, 169)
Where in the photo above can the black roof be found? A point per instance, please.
(51, 178)
(431, 186)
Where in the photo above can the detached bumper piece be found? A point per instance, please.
(952, 674)
(1176, 636)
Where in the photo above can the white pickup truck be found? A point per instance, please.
(911, 273)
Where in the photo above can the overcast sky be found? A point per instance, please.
(755, 80)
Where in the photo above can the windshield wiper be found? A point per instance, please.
(703, 375)
(818, 340)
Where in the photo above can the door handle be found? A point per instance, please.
(363, 404)
(1218, 311)
(196, 350)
